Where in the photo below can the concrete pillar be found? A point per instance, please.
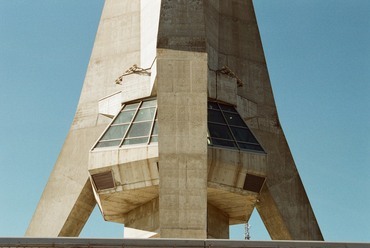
(197, 50)
(182, 113)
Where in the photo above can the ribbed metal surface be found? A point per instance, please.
(178, 243)
(253, 183)
(103, 180)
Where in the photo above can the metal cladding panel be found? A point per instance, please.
(253, 183)
(103, 180)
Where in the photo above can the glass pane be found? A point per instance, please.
(115, 132)
(139, 129)
(145, 114)
(234, 119)
(155, 128)
(154, 139)
(108, 143)
(131, 106)
(243, 134)
(142, 140)
(219, 131)
(215, 116)
(124, 117)
(151, 103)
(227, 143)
(228, 108)
(213, 105)
(247, 146)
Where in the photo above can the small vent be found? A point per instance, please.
(253, 183)
(103, 180)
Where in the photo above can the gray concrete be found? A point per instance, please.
(193, 51)
(68, 200)
(148, 243)
(182, 144)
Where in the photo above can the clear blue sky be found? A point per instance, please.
(318, 56)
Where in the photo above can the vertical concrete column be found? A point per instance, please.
(182, 119)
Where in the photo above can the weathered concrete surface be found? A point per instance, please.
(182, 118)
(217, 223)
(67, 200)
(182, 115)
(202, 49)
(233, 40)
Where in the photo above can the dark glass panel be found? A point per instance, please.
(228, 108)
(108, 143)
(243, 134)
(215, 116)
(115, 132)
(226, 143)
(139, 129)
(219, 131)
(223, 118)
(145, 114)
(246, 146)
(213, 105)
(234, 119)
(142, 140)
(124, 117)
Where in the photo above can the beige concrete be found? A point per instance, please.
(227, 170)
(135, 177)
(147, 215)
(66, 196)
(233, 41)
(110, 105)
(182, 52)
(217, 223)
(182, 115)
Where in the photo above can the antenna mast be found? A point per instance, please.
(247, 235)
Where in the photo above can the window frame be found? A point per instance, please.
(153, 120)
(230, 109)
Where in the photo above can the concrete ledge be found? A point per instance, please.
(178, 243)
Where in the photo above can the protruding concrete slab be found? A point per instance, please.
(186, 53)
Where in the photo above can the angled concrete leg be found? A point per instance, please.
(68, 200)
(283, 203)
(199, 68)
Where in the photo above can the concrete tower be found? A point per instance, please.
(176, 132)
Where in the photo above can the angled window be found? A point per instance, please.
(136, 123)
(227, 129)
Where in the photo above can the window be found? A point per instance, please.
(136, 123)
(227, 129)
